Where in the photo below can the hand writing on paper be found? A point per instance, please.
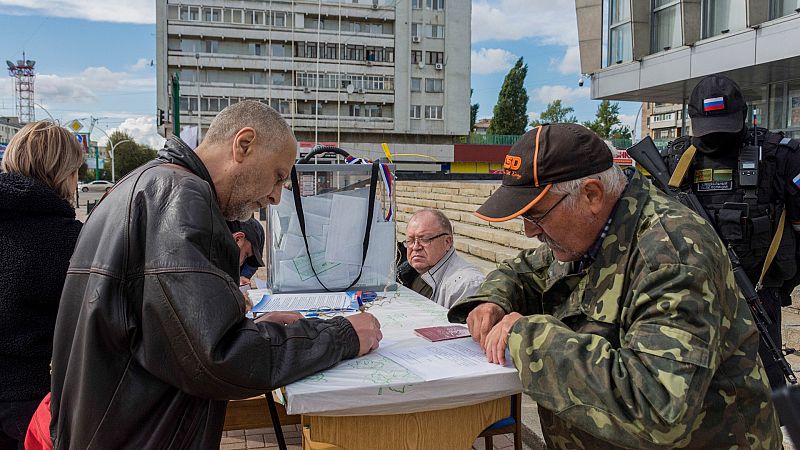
(368, 330)
(481, 320)
(497, 339)
(281, 317)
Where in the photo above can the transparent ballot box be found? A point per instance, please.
(335, 204)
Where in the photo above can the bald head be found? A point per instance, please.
(247, 114)
(249, 152)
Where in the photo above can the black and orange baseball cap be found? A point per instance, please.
(550, 153)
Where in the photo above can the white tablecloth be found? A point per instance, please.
(375, 384)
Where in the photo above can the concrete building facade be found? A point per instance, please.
(656, 51)
(664, 121)
(353, 72)
(8, 128)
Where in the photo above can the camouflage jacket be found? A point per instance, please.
(650, 347)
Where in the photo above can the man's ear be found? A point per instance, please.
(594, 194)
(238, 237)
(243, 143)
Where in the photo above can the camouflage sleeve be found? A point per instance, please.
(644, 392)
(515, 285)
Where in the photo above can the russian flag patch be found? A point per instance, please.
(796, 180)
(713, 104)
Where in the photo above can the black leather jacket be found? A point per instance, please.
(151, 338)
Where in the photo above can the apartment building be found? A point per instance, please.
(664, 121)
(353, 72)
(656, 51)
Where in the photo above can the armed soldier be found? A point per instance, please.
(746, 179)
(626, 327)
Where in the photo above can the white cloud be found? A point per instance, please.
(492, 60)
(141, 64)
(552, 21)
(631, 121)
(571, 62)
(87, 85)
(120, 11)
(548, 93)
(532, 116)
(142, 129)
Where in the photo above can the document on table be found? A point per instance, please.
(303, 302)
(447, 359)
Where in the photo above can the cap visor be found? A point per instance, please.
(256, 260)
(702, 125)
(508, 202)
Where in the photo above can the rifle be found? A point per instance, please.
(646, 155)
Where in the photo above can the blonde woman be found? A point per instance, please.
(38, 231)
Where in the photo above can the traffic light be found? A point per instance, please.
(161, 119)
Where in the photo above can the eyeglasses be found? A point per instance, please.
(538, 220)
(408, 243)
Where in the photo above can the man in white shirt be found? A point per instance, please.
(442, 275)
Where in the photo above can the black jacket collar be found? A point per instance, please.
(176, 151)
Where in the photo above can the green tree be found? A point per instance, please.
(473, 113)
(556, 113)
(129, 155)
(606, 123)
(511, 111)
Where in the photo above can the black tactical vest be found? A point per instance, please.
(745, 218)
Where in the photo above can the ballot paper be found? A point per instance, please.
(303, 302)
(449, 358)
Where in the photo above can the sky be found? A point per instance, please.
(93, 58)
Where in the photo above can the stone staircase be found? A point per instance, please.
(480, 242)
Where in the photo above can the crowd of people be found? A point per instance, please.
(626, 325)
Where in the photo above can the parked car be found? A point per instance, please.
(97, 185)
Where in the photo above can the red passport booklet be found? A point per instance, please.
(443, 333)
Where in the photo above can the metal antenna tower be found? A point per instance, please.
(24, 75)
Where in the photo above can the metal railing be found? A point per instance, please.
(510, 139)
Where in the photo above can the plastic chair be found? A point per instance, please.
(511, 424)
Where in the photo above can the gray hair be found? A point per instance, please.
(248, 113)
(612, 179)
(444, 222)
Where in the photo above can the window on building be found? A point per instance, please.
(416, 4)
(416, 84)
(620, 45)
(278, 51)
(416, 29)
(330, 51)
(434, 85)
(237, 16)
(416, 111)
(212, 14)
(278, 19)
(282, 106)
(279, 79)
(254, 49)
(189, 103)
(174, 12)
(722, 16)
(434, 4)
(433, 112)
(780, 8)
(666, 25)
(435, 31)
(212, 46)
(190, 13)
(254, 17)
(416, 56)
(434, 57)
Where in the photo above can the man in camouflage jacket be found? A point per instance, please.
(635, 337)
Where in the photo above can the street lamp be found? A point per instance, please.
(113, 147)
